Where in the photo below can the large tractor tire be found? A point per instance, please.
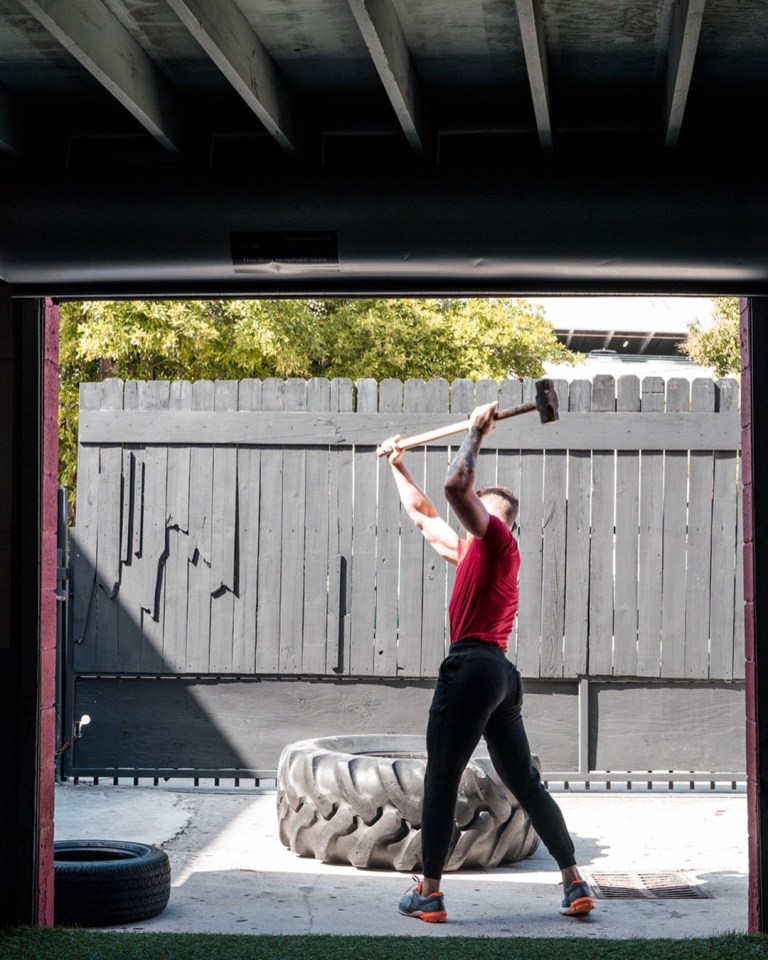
(357, 800)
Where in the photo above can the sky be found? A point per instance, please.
(663, 314)
(635, 314)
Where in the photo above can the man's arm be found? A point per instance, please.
(437, 532)
(460, 481)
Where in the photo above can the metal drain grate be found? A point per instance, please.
(646, 886)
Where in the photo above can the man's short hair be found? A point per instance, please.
(507, 501)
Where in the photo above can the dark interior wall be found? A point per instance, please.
(10, 880)
(27, 610)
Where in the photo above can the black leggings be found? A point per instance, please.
(480, 693)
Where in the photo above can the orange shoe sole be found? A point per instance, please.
(438, 916)
(579, 907)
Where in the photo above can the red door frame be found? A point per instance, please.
(46, 762)
(754, 460)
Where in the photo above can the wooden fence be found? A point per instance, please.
(238, 529)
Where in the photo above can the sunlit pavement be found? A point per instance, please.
(231, 873)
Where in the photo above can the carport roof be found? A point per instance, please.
(325, 80)
(591, 131)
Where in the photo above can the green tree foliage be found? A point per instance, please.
(234, 339)
(718, 345)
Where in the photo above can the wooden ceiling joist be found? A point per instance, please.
(683, 43)
(383, 35)
(229, 40)
(101, 44)
(534, 49)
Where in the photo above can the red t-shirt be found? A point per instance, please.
(484, 598)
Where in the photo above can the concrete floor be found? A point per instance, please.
(231, 874)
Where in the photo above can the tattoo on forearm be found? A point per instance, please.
(463, 463)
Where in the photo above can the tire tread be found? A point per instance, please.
(339, 803)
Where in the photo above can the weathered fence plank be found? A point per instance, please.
(176, 594)
(109, 533)
(363, 559)
(84, 542)
(627, 523)
(199, 544)
(294, 517)
(177, 532)
(180, 398)
(726, 613)
(270, 542)
(650, 541)
(340, 517)
(136, 452)
(126, 504)
(551, 654)
(313, 634)
(248, 553)
(698, 567)
(576, 587)
(130, 639)
(154, 395)
(602, 546)
(107, 565)
(223, 543)
(739, 665)
(387, 549)
(673, 561)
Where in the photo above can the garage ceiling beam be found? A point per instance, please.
(534, 48)
(384, 38)
(229, 40)
(98, 41)
(683, 43)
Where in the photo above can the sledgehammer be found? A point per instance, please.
(545, 402)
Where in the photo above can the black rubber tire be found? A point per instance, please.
(357, 800)
(106, 883)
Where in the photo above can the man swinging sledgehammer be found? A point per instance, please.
(478, 692)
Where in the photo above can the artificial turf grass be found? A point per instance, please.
(30, 943)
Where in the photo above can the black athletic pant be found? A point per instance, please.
(479, 693)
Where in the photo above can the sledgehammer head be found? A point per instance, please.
(546, 401)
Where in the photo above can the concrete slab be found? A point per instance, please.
(231, 874)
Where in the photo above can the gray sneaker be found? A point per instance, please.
(430, 908)
(577, 899)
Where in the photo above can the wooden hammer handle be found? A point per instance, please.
(439, 432)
